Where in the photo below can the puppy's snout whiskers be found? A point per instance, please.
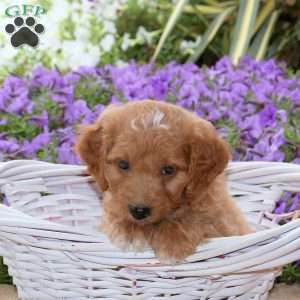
(139, 212)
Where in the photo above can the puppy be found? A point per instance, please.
(161, 171)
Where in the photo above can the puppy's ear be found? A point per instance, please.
(209, 155)
(90, 147)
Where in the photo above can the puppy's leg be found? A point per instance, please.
(174, 240)
(123, 234)
(229, 219)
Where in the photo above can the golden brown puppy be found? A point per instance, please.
(161, 170)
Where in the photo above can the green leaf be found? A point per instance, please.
(47, 4)
(67, 29)
(289, 152)
(292, 135)
(260, 44)
(196, 8)
(169, 27)
(264, 14)
(219, 3)
(233, 135)
(204, 9)
(97, 31)
(210, 33)
(4, 277)
(18, 127)
(243, 29)
(91, 90)
(290, 274)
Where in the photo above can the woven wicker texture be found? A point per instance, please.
(50, 242)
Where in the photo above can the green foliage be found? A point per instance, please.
(284, 104)
(96, 30)
(292, 129)
(210, 33)
(4, 277)
(233, 136)
(67, 28)
(259, 29)
(289, 152)
(290, 274)
(108, 57)
(170, 51)
(49, 153)
(47, 4)
(133, 15)
(286, 42)
(43, 102)
(18, 128)
(91, 90)
(23, 61)
(175, 15)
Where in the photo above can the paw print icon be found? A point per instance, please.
(24, 33)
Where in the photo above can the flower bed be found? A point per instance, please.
(255, 106)
(114, 31)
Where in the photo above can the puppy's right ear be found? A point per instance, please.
(90, 148)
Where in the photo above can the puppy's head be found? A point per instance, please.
(148, 157)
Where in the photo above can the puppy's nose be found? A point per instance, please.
(139, 212)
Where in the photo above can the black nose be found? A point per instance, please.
(139, 212)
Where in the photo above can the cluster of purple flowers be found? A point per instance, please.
(255, 105)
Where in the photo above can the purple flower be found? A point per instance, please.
(77, 112)
(262, 91)
(295, 96)
(66, 154)
(41, 120)
(9, 147)
(188, 95)
(267, 116)
(251, 128)
(66, 135)
(52, 81)
(245, 97)
(159, 87)
(295, 205)
(42, 77)
(40, 142)
(281, 207)
(14, 96)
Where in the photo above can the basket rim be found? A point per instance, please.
(68, 238)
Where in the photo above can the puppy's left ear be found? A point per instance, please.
(90, 147)
(209, 155)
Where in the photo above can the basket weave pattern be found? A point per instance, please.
(50, 242)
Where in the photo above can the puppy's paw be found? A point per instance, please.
(174, 253)
(124, 236)
(171, 244)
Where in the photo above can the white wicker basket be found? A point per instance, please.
(49, 240)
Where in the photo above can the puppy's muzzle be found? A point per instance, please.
(139, 212)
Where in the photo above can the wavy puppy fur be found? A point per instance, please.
(158, 156)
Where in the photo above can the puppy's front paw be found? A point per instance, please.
(174, 253)
(171, 245)
(123, 235)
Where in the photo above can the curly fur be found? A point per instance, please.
(188, 207)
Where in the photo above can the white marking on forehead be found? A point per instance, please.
(153, 119)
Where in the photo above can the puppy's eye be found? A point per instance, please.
(124, 165)
(168, 170)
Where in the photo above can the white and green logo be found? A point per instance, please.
(25, 29)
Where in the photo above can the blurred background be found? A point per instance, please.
(234, 63)
(103, 32)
